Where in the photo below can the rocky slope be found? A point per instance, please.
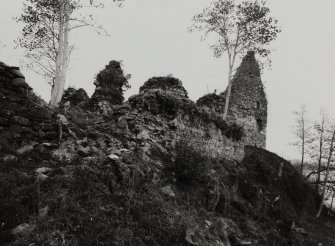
(151, 171)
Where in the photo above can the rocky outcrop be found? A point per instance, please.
(74, 97)
(166, 84)
(110, 84)
(212, 103)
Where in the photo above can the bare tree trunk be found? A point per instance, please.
(302, 150)
(331, 205)
(65, 61)
(303, 142)
(320, 154)
(226, 106)
(331, 149)
(59, 59)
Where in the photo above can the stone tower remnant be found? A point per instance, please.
(248, 103)
(110, 83)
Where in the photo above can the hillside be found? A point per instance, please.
(155, 170)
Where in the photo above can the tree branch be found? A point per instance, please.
(314, 172)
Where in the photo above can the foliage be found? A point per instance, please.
(111, 83)
(238, 26)
(190, 165)
(40, 36)
(41, 32)
(164, 83)
(91, 204)
(74, 96)
(112, 77)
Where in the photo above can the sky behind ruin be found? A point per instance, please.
(151, 38)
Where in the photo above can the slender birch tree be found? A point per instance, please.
(330, 155)
(320, 129)
(62, 54)
(303, 133)
(320, 141)
(238, 27)
(45, 36)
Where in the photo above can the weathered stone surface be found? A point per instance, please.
(62, 119)
(110, 84)
(75, 97)
(179, 118)
(39, 113)
(66, 152)
(122, 123)
(15, 71)
(43, 170)
(23, 230)
(25, 149)
(84, 151)
(129, 155)
(21, 82)
(168, 190)
(21, 120)
(167, 84)
(247, 105)
(113, 157)
(212, 103)
(21, 129)
(9, 158)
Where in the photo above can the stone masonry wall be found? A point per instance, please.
(210, 139)
(159, 116)
(247, 105)
(186, 120)
(23, 116)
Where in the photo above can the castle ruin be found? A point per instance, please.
(247, 105)
(158, 117)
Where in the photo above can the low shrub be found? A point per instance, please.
(190, 165)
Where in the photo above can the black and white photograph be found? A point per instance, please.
(167, 123)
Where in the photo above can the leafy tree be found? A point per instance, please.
(238, 28)
(45, 36)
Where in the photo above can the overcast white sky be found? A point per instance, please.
(151, 38)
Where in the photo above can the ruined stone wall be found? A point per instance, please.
(209, 138)
(167, 84)
(23, 116)
(186, 120)
(247, 105)
(110, 84)
(159, 116)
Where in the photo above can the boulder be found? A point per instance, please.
(25, 149)
(23, 230)
(122, 123)
(84, 151)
